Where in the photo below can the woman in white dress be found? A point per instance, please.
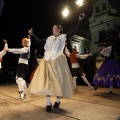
(53, 76)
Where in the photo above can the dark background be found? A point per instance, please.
(20, 15)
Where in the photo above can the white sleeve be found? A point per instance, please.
(2, 53)
(67, 52)
(6, 46)
(106, 51)
(82, 56)
(19, 51)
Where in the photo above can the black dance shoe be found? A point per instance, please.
(56, 105)
(95, 88)
(48, 108)
(110, 92)
(91, 87)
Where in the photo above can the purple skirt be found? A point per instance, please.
(108, 74)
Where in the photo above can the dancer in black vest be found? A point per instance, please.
(22, 65)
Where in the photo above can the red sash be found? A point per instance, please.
(32, 74)
(0, 59)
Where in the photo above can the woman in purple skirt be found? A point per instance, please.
(109, 72)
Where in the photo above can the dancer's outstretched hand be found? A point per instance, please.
(30, 31)
(90, 54)
(28, 36)
(81, 16)
(5, 49)
(5, 41)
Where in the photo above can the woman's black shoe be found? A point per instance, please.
(95, 88)
(48, 108)
(56, 105)
(110, 92)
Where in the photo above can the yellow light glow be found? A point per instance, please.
(65, 12)
(79, 2)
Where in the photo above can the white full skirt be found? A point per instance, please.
(53, 78)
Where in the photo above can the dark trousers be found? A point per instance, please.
(21, 70)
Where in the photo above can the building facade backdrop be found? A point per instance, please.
(106, 14)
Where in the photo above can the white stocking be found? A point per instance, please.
(20, 83)
(74, 80)
(24, 86)
(85, 80)
(58, 99)
(111, 88)
(48, 100)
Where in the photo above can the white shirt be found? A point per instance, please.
(20, 51)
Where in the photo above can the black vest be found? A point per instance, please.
(25, 55)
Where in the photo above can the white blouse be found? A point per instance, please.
(54, 46)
